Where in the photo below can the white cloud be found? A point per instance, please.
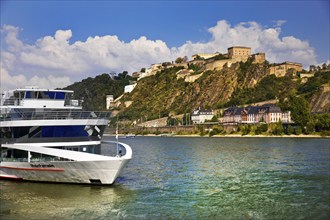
(279, 23)
(20, 81)
(259, 38)
(54, 61)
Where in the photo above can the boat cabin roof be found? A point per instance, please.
(42, 90)
(36, 93)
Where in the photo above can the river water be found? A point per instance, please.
(192, 178)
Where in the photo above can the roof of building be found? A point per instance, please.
(287, 63)
(267, 108)
(239, 47)
(202, 112)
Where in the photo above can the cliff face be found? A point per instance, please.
(320, 101)
(163, 94)
(218, 86)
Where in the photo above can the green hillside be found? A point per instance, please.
(163, 94)
(95, 90)
(243, 83)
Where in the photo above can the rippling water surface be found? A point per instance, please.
(192, 178)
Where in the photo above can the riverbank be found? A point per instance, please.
(218, 131)
(225, 136)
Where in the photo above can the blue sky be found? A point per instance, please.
(38, 38)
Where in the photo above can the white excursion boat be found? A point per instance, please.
(47, 137)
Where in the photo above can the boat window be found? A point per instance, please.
(42, 95)
(31, 95)
(46, 95)
(16, 94)
(60, 95)
(27, 94)
(21, 95)
(50, 95)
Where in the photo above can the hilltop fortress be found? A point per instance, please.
(202, 62)
(235, 78)
(216, 61)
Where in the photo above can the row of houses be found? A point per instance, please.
(256, 114)
(245, 115)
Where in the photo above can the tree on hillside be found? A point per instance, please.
(95, 90)
(324, 66)
(121, 76)
(312, 68)
(322, 122)
(314, 83)
(299, 108)
(179, 60)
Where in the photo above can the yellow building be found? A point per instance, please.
(259, 57)
(282, 68)
(239, 53)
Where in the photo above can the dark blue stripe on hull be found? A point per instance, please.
(64, 131)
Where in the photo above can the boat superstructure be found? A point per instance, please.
(46, 136)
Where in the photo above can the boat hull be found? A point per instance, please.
(82, 172)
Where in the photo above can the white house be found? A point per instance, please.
(152, 70)
(286, 117)
(109, 100)
(201, 115)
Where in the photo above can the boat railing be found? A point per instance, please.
(123, 150)
(54, 115)
(11, 102)
(42, 159)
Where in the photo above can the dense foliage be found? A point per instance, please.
(270, 87)
(315, 82)
(94, 90)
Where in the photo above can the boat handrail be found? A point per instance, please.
(68, 154)
(43, 159)
(54, 115)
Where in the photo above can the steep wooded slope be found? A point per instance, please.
(95, 90)
(163, 94)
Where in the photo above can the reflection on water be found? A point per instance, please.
(192, 178)
(23, 200)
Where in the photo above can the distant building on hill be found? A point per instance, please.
(235, 54)
(136, 74)
(204, 56)
(281, 69)
(152, 70)
(259, 57)
(239, 53)
(109, 101)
